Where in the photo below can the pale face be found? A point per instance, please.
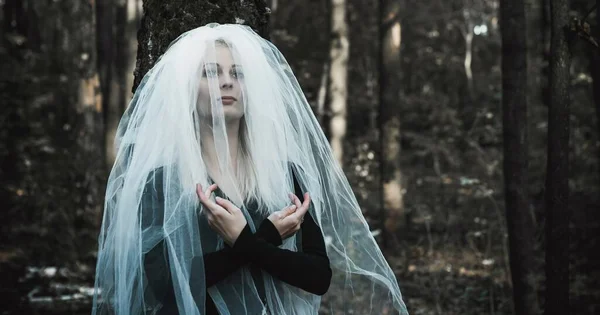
(230, 82)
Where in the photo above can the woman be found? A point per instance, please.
(221, 115)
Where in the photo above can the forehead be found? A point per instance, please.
(221, 54)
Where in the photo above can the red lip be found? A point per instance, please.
(227, 100)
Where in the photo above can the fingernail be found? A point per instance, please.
(293, 207)
(218, 198)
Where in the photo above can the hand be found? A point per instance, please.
(223, 216)
(289, 219)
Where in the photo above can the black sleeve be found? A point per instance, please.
(218, 265)
(222, 263)
(309, 270)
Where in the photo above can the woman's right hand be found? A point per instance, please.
(288, 220)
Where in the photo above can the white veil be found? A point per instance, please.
(151, 198)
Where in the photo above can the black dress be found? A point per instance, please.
(307, 269)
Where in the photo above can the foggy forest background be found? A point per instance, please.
(468, 129)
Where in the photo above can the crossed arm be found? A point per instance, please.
(308, 269)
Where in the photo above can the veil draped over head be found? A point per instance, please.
(178, 112)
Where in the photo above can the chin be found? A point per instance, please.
(233, 111)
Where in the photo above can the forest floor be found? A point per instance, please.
(449, 281)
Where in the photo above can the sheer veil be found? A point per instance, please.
(150, 195)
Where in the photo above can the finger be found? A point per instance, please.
(200, 192)
(295, 200)
(210, 189)
(217, 211)
(199, 189)
(304, 208)
(205, 195)
(291, 209)
(207, 203)
(306, 200)
(209, 207)
(293, 197)
(226, 204)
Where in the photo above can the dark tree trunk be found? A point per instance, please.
(120, 69)
(15, 19)
(557, 176)
(165, 20)
(537, 40)
(105, 21)
(595, 69)
(106, 47)
(389, 119)
(514, 102)
(68, 43)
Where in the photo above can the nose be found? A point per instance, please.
(226, 81)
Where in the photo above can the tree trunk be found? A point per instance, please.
(273, 6)
(537, 40)
(322, 96)
(158, 30)
(338, 77)
(595, 69)
(68, 42)
(468, 35)
(121, 69)
(390, 32)
(467, 108)
(15, 18)
(107, 47)
(88, 125)
(557, 185)
(514, 102)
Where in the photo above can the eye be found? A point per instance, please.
(237, 73)
(210, 71)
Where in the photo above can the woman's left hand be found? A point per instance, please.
(223, 216)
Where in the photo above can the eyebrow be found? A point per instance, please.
(219, 66)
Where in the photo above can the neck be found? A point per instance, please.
(208, 146)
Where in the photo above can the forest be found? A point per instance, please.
(469, 131)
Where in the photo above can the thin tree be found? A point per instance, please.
(557, 174)
(339, 53)
(514, 103)
(537, 41)
(164, 20)
(390, 32)
(106, 48)
(120, 66)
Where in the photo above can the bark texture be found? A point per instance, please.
(514, 103)
(389, 118)
(557, 174)
(163, 21)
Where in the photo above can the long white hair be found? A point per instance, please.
(150, 196)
